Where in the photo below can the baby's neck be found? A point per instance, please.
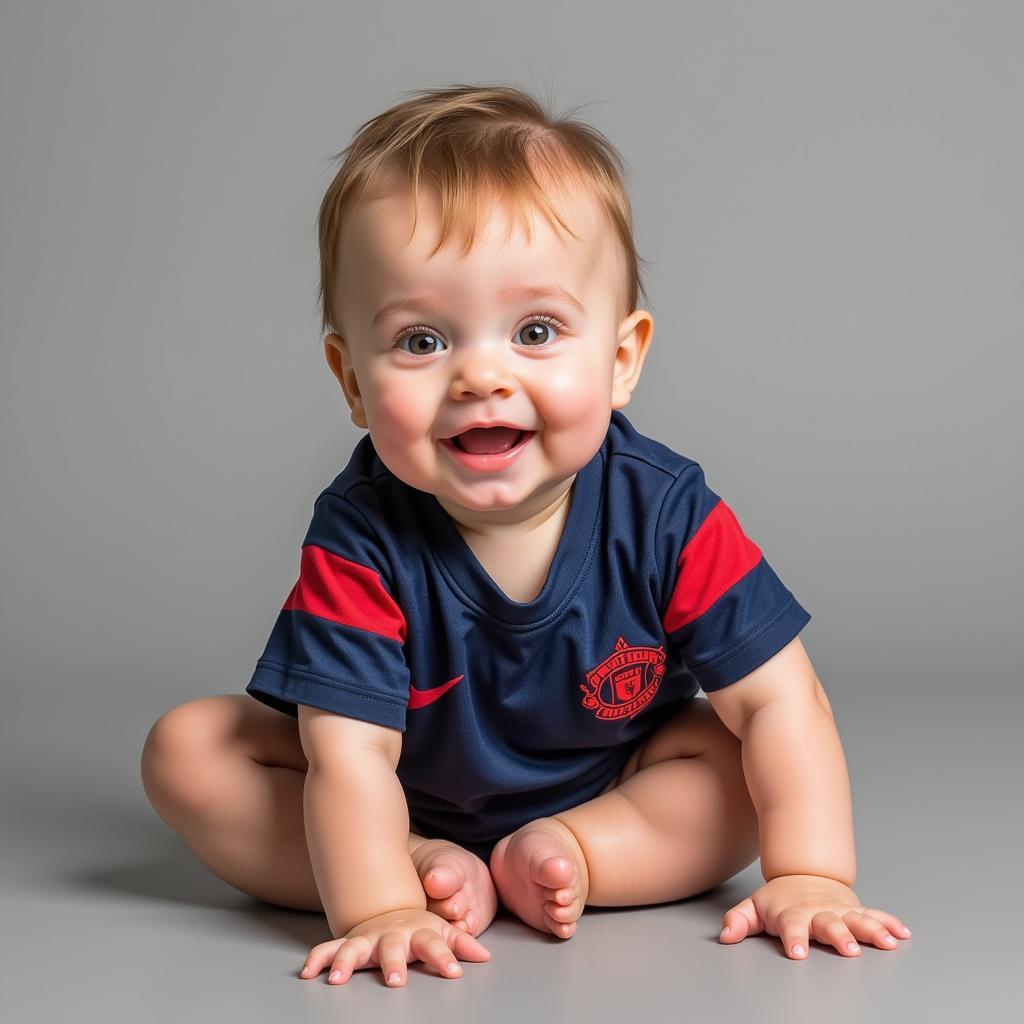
(518, 557)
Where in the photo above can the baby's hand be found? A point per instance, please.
(794, 907)
(393, 940)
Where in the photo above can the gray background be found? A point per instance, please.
(830, 198)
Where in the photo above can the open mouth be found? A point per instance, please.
(489, 440)
(488, 449)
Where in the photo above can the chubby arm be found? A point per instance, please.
(357, 819)
(794, 765)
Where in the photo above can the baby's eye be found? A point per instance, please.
(534, 334)
(422, 337)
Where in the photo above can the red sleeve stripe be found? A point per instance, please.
(715, 557)
(336, 589)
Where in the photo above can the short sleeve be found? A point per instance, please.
(338, 641)
(725, 611)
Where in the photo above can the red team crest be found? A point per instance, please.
(625, 682)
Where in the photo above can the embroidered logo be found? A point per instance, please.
(625, 682)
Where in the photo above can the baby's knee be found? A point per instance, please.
(178, 755)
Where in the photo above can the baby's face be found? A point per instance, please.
(523, 333)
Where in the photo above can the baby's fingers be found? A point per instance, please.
(828, 927)
(354, 953)
(891, 921)
(432, 949)
(794, 931)
(391, 955)
(468, 947)
(741, 921)
(443, 952)
(319, 957)
(868, 928)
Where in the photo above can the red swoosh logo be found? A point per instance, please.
(421, 698)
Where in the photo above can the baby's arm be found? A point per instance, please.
(795, 768)
(357, 830)
(796, 773)
(357, 819)
(799, 783)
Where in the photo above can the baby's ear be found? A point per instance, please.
(635, 333)
(340, 362)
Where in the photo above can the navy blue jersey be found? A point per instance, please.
(516, 710)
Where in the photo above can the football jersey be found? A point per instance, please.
(514, 710)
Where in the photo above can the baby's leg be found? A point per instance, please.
(227, 773)
(678, 821)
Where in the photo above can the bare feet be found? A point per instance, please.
(457, 885)
(542, 876)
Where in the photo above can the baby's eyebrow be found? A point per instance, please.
(516, 292)
(541, 291)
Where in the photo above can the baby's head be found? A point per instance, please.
(531, 322)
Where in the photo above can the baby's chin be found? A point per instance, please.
(475, 498)
(489, 510)
(486, 505)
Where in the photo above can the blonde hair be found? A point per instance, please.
(468, 142)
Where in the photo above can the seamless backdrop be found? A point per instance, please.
(829, 195)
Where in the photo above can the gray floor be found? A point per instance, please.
(109, 916)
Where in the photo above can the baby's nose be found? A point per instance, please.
(482, 373)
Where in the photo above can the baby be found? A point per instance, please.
(483, 685)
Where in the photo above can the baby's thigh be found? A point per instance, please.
(186, 744)
(695, 731)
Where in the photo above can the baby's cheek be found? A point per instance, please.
(401, 409)
(570, 388)
(399, 424)
(574, 394)
(576, 424)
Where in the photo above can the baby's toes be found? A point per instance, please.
(457, 885)
(563, 897)
(562, 914)
(563, 929)
(446, 892)
(561, 918)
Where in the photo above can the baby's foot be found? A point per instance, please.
(542, 876)
(457, 885)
